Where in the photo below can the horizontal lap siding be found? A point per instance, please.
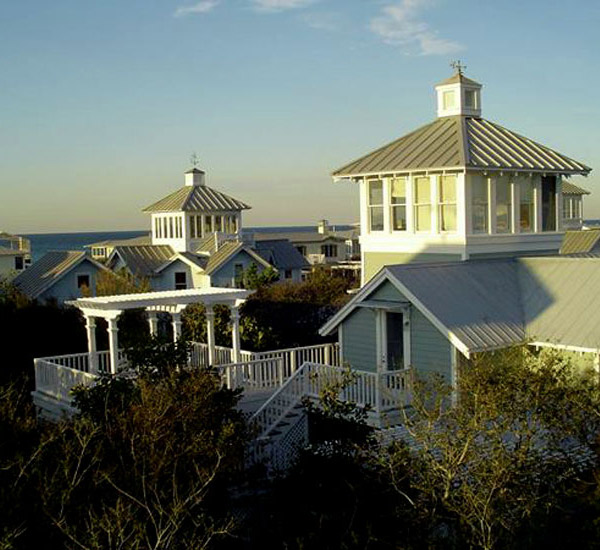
(359, 340)
(430, 349)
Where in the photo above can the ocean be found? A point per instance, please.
(45, 242)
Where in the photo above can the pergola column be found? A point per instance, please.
(90, 328)
(235, 333)
(113, 344)
(210, 333)
(176, 319)
(153, 322)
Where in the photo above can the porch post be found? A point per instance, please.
(176, 317)
(113, 344)
(210, 333)
(90, 328)
(153, 322)
(235, 333)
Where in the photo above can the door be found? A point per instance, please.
(395, 340)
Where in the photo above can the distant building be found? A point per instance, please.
(60, 276)
(15, 254)
(572, 209)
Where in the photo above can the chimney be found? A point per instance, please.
(323, 227)
(194, 176)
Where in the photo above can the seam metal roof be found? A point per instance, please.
(196, 198)
(462, 142)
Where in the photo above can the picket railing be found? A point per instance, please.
(256, 375)
(57, 381)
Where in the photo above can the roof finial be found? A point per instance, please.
(195, 160)
(458, 66)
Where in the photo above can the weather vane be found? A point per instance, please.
(458, 66)
(195, 160)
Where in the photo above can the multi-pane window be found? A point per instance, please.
(447, 203)
(329, 250)
(375, 198)
(479, 204)
(527, 206)
(398, 203)
(422, 199)
(503, 205)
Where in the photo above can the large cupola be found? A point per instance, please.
(458, 95)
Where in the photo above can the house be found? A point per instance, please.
(195, 241)
(281, 253)
(61, 276)
(325, 245)
(572, 211)
(461, 187)
(15, 254)
(101, 250)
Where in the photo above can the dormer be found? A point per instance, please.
(458, 95)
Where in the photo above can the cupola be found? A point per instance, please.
(194, 177)
(458, 95)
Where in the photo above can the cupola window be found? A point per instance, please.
(447, 203)
(449, 99)
(398, 203)
(422, 196)
(526, 209)
(479, 204)
(375, 196)
(503, 205)
(471, 99)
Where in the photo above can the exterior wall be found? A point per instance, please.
(66, 288)
(431, 352)
(359, 340)
(374, 261)
(225, 276)
(7, 265)
(165, 280)
(314, 251)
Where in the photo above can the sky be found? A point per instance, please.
(103, 102)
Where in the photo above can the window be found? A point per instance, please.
(422, 196)
(471, 99)
(192, 227)
(199, 227)
(157, 228)
(208, 225)
(375, 197)
(449, 100)
(180, 280)
(288, 274)
(526, 209)
(301, 249)
(329, 250)
(178, 227)
(447, 203)
(19, 263)
(398, 201)
(218, 223)
(171, 233)
(164, 228)
(238, 275)
(549, 203)
(503, 205)
(83, 281)
(479, 203)
(395, 340)
(232, 224)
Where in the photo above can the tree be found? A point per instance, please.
(523, 430)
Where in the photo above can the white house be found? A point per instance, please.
(459, 187)
(15, 254)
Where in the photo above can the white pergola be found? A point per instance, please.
(169, 301)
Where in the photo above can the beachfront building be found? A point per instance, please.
(60, 276)
(15, 255)
(572, 209)
(461, 187)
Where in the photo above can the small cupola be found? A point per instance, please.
(194, 177)
(458, 95)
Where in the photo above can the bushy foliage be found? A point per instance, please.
(110, 283)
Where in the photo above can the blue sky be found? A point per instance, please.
(103, 102)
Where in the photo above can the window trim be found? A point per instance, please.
(416, 205)
(178, 285)
(441, 204)
(371, 207)
(393, 206)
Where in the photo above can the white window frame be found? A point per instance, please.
(430, 203)
(441, 204)
(393, 206)
(371, 207)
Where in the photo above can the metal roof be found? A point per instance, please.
(298, 237)
(49, 269)
(482, 305)
(134, 241)
(462, 142)
(197, 198)
(226, 252)
(569, 188)
(143, 260)
(458, 77)
(281, 254)
(578, 242)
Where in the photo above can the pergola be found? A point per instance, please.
(169, 301)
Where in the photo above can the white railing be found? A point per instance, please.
(257, 375)
(57, 381)
(81, 361)
(223, 355)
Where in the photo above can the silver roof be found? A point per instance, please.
(581, 242)
(569, 188)
(197, 198)
(462, 142)
(281, 254)
(489, 304)
(143, 260)
(49, 269)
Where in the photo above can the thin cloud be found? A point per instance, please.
(281, 5)
(401, 24)
(322, 21)
(204, 6)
